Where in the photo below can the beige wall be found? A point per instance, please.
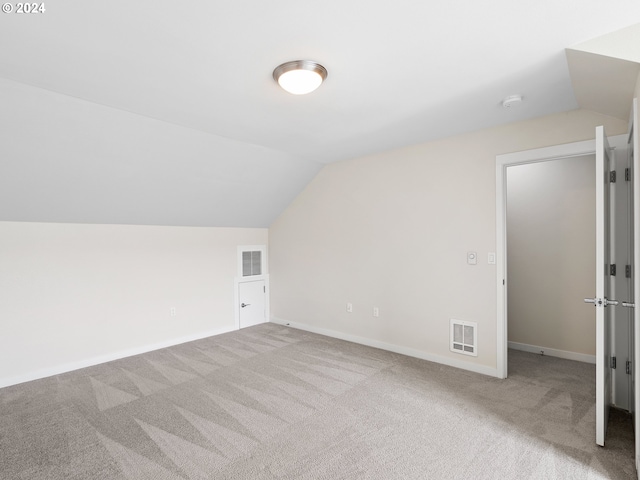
(392, 230)
(550, 241)
(76, 294)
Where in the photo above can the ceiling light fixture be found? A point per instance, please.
(300, 76)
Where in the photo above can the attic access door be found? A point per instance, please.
(252, 286)
(252, 298)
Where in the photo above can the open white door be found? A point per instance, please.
(634, 153)
(601, 300)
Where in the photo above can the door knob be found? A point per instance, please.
(244, 305)
(596, 301)
(628, 304)
(599, 302)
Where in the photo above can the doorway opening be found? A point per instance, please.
(610, 252)
(503, 162)
(550, 233)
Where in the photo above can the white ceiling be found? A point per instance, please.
(400, 73)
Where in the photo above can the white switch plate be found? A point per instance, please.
(350, 307)
(491, 258)
(376, 312)
(472, 258)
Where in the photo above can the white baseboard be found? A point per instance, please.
(552, 352)
(89, 362)
(411, 352)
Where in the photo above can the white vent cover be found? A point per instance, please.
(251, 263)
(463, 337)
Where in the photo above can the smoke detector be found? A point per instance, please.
(512, 101)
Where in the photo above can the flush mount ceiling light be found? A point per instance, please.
(300, 76)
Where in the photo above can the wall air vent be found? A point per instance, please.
(251, 263)
(463, 337)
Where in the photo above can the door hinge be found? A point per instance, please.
(264, 289)
(628, 367)
(612, 363)
(612, 176)
(612, 269)
(627, 271)
(627, 174)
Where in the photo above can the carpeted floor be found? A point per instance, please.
(272, 402)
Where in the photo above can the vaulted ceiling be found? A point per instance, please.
(158, 112)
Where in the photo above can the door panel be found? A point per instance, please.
(635, 170)
(603, 314)
(252, 303)
(621, 231)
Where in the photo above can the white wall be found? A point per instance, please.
(73, 295)
(392, 230)
(551, 245)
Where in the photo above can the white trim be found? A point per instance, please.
(556, 152)
(501, 270)
(552, 352)
(411, 352)
(109, 357)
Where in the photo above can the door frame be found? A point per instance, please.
(544, 154)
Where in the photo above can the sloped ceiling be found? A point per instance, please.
(604, 71)
(157, 112)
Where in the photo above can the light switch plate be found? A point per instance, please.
(472, 258)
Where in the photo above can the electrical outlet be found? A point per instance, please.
(350, 307)
(172, 311)
(376, 312)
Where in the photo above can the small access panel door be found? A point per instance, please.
(252, 303)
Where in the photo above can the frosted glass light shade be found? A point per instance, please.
(300, 76)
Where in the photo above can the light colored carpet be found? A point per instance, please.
(272, 402)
